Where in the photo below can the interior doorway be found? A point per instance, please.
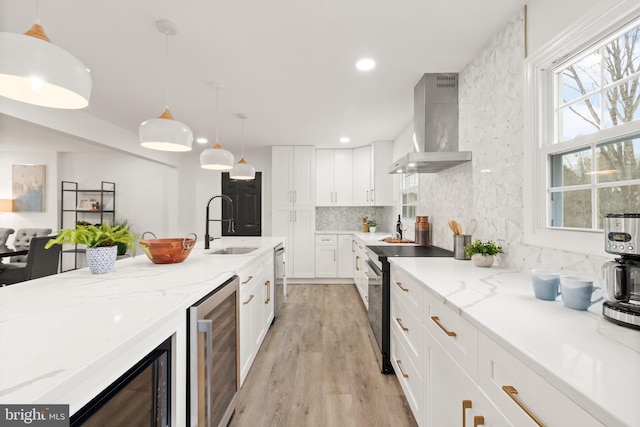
(247, 205)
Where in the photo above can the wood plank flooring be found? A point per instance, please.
(317, 367)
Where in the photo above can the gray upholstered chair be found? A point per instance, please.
(23, 238)
(4, 235)
(40, 262)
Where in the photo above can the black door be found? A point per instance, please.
(247, 205)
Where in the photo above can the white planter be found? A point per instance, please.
(480, 260)
(372, 229)
(101, 260)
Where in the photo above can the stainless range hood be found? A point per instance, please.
(435, 127)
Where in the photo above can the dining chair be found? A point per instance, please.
(40, 262)
(4, 235)
(23, 239)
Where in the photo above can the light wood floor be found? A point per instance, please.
(317, 367)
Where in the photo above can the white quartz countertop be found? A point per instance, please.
(369, 239)
(55, 332)
(594, 362)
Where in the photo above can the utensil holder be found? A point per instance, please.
(459, 242)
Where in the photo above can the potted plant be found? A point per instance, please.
(482, 253)
(101, 241)
(372, 225)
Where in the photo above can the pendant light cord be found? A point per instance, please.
(38, 12)
(217, 109)
(166, 75)
(242, 138)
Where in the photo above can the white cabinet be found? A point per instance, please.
(250, 279)
(345, 262)
(293, 206)
(360, 270)
(326, 255)
(372, 185)
(333, 177)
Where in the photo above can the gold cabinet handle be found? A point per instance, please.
(402, 287)
(437, 320)
(399, 320)
(399, 362)
(466, 404)
(511, 392)
(478, 420)
(268, 285)
(357, 258)
(248, 280)
(249, 300)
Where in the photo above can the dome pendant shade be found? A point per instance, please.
(165, 134)
(243, 171)
(216, 158)
(35, 71)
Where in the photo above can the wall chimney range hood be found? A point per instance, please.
(435, 127)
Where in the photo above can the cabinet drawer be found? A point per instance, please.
(250, 275)
(408, 328)
(457, 336)
(409, 376)
(326, 239)
(531, 396)
(408, 290)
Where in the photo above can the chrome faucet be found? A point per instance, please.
(231, 228)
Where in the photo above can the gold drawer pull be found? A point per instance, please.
(399, 362)
(437, 320)
(401, 287)
(399, 320)
(248, 280)
(249, 300)
(511, 392)
(466, 404)
(268, 285)
(357, 259)
(478, 420)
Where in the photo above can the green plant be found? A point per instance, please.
(95, 236)
(372, 223)
(488, 248)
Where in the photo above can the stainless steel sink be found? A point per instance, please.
(231, 251)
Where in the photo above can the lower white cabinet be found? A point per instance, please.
(345, 263)
(454, 375)
(359, 257)
(334, 255)
(298, 225)
(256, 309)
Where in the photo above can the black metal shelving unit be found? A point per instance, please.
(80, 204)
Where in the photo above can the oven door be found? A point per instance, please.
(374, 276)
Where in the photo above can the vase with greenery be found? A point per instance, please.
(372, 225)
(101, 242)
(482, 253)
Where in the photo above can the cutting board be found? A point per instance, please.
(393, 240)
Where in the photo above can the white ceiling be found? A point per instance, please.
(287, 64)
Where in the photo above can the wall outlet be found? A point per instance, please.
(501, 229)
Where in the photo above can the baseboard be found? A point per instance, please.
(320, 281)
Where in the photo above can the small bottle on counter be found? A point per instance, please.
(399, 228)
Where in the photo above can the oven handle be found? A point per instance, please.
(372, 265)
(206, 326)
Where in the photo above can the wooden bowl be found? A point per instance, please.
(169, 251)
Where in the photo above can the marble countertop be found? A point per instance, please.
(369, 239)
(594, 362)
(58, 331)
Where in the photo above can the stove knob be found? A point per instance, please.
(630, 248)
(613, 246)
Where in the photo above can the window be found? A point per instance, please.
(592, 154)
(409, 195)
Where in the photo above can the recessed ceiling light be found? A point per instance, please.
(366, 64)
(202, 140)
(344, 139)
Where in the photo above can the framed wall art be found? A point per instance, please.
(28, 187)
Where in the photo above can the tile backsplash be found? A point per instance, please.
(349, 218)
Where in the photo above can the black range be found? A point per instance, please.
(379, 273)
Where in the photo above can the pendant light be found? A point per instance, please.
(216, 158)
(242, 170)
(36, 71)
(164, 133)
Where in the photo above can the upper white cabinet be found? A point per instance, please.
(293, 205)
(372, 185)
(333, 179)
(293, 175)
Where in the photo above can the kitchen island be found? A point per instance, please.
(591, 361)
(65, 338)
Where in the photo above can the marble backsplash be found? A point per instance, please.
(349, 218)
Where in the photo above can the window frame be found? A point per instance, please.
(407, 190)
(540, 89)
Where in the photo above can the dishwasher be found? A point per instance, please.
(213, 378)
(280, 291)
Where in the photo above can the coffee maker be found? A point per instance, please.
(621, 278)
